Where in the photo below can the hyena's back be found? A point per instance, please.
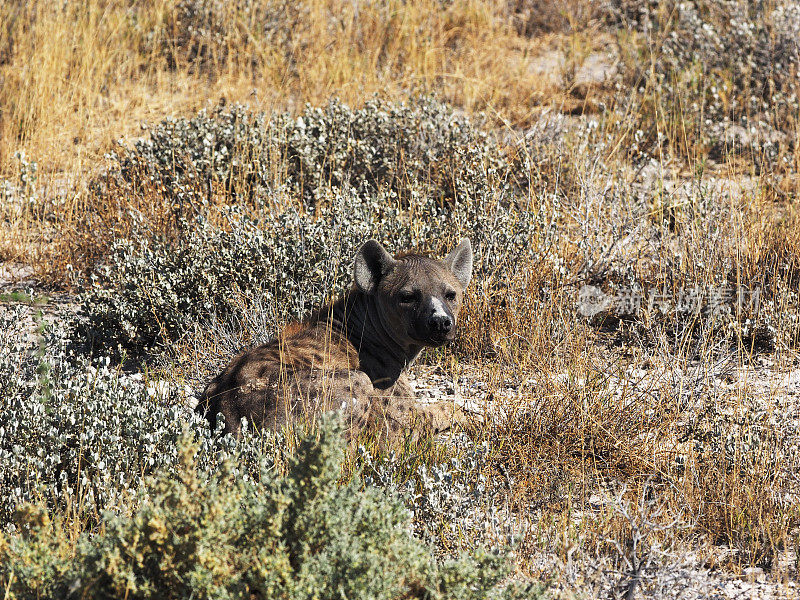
(306, 368)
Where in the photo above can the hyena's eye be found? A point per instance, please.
(407, 297)
(450, 296)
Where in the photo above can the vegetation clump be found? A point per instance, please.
(725, 76)
(419, 148)
(218, 535)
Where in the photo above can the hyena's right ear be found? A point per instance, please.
(371, 264)
(459, 261)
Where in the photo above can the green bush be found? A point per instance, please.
(215, 534)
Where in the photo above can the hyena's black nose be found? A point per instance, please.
(440, 324)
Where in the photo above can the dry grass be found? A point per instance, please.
(77, 77)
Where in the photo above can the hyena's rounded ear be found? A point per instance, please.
(371, 264)
(459, 261)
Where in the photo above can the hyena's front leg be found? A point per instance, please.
(437, 416)
(394, 415)
(398, 420)
(388, 416)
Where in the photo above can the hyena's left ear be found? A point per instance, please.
(371, 264)
(459, 261)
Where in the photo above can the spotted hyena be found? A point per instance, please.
(353, 354)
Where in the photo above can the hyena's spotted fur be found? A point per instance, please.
(353, 354)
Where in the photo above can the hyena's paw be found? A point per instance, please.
(395, 421)
(442, 416)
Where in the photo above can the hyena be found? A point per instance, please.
(353, 354)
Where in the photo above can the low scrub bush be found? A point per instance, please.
(206, 534)
(82, 437)
(724, 77)
(401, 153)
(231, 205)
(154, 289)
(419, 148)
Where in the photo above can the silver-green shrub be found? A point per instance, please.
(71, 430)
(153, 290)
(289, 238)
(213, 534)
(82, 436)
(419, 148)
(415, 175)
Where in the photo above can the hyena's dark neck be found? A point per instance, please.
(380, 354)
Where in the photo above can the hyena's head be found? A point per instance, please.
(418, 297)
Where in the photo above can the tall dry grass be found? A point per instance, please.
(79, 75)
(76, 77)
